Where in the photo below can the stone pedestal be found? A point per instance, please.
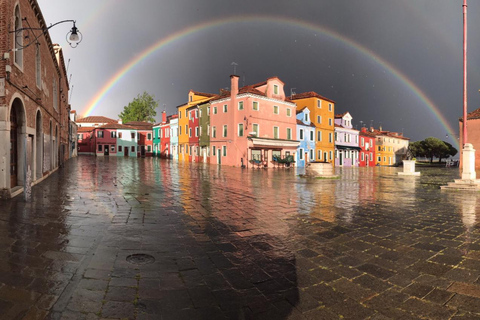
(468, 155)
(469, 177)
(320, 169)
(409, 168)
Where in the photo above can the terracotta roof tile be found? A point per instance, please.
(96, 119)
(475, 114)
(115, 126)
(85, 129)
(140, 125)
(203, 94)
(310, 94)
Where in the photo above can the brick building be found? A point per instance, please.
(34, 108)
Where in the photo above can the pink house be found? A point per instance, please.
(250, 125)
(106, 139)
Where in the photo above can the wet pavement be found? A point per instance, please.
(121, 238)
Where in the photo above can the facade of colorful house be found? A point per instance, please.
(127, 142)
(144, 137)
(391, 147)
(346, 141)
(204, 138)
(367, 148)
(106, 140)
(322, 114)
(156, 139)
(174, 136)
(251, 125)
(306, 135)
(165, 146)
(193, 133)
(194, 98)
(86, 141)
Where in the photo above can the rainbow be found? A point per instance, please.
(349, 43)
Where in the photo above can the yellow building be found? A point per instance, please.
(322, 114)
(391, 147)
(194, 98)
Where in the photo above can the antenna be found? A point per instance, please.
(361, 124)
(71, 92)
(70, 79)
(371, 123)
(68, 65)
(234, 64)
(292, 92)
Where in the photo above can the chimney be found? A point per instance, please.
(120, 121)
(164, 116)
(234, 85)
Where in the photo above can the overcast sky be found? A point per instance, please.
(383, 61)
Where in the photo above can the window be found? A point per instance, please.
(196, 131)
(330, 138)
(312, 135)
(208, 110)
(312, 155)
(255, 129)
(112, 147)
(99, 147)
(319, 155)
(200, 133)
(214, 132)
(329, 121)
(113, 134)
(289, 112)
(132, 134)
(255, 105)
(149, 136)
(196, 114)
(289, 133)
(331, 155)
(200, 113)
(319, 103)
(224, 130)
(179, 114)
(240, 105)
(329, 107)
(240, 129)
(305, 117)
(371, 155)
(100, 134)
(190, 132)
(224, 151)
(319, 135)
(55, 94)
(120, 135)
(213, 150)
(275, 133)
(186, 112)
(119, 148)
(362, 142)
(18, 38)
(225, 108)
(179, 130)
(300, 154)
(275, 109)
(132, 149)
(214, 110)
(38, 68)
(301, 134)
(275, 89)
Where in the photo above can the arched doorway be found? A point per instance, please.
(17, 144)
(38, 146)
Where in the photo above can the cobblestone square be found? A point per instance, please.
(119, 238)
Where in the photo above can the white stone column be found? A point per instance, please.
(468, 157)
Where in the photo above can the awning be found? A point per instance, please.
(274, 142)
(348, 148)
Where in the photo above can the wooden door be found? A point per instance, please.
(13, 149)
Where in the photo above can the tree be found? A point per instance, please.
(446, 152)
(142, 108)
(416, 149)
(433, 147)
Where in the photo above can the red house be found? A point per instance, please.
(106, 139)
(165, 138)
(145, 137)
(193, 133)
(366, 158)
(86, 140)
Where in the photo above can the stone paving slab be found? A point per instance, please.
(227, 243)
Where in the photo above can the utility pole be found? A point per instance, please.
(464, 72)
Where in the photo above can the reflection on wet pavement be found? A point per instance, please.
(227, 243)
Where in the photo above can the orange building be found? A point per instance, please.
(322, 114)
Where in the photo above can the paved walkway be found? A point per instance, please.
(152, 239)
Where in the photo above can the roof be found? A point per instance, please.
(341, 115)
(475, 114)
(300, 110)
(310, 94)
(203, 94)
(140, 125)
(85, 129)
(95, 119)
(115, 126)
(300, 122)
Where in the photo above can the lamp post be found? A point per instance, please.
(464, 72)
(73, 37)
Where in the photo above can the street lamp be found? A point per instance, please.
(73, 37)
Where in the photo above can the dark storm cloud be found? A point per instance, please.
(421, 39)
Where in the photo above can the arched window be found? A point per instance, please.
(18, 38)
(38, 67)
